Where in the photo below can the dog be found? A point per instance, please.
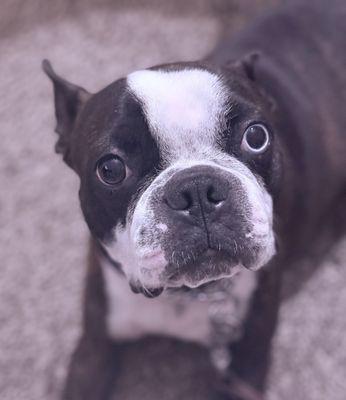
(201, 184)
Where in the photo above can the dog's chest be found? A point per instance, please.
(209, 316)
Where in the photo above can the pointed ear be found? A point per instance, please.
(248, 65)
(69, 100)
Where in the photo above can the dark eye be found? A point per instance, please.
(256, 139)
(111, 169)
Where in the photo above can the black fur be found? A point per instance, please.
(287, 70)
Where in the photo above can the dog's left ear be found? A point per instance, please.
(69, 100)
(248, 65)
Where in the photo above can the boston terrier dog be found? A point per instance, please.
(202, 183)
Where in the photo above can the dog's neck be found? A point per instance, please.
(211, 315)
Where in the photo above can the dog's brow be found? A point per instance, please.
(184, 109)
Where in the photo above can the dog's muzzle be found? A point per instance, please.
(195, 225)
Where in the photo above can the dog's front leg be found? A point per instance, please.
(93, 368)
(251, 354)
(92, 371)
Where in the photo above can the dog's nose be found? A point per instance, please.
(200, 187)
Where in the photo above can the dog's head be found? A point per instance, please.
(177, 165)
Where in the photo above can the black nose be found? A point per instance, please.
(197, 187)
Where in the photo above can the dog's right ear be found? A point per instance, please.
(69, 100)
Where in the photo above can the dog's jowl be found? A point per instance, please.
(202, 183)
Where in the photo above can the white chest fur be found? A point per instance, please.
(175, 314)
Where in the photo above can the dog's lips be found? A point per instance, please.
(209, 266)
(177, 280)
(147, 292)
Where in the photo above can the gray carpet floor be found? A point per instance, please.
(43, 237)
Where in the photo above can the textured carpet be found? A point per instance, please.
(43, 236)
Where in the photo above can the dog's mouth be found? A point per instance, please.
(208, 267)
(151, 293)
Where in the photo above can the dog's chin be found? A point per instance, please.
(209, 267)
(182, 281)
(192, 282)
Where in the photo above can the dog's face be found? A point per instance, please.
(177, 165)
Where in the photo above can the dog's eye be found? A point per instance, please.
(111, 169)
(256, 139)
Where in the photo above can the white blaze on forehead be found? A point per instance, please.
(184, 109)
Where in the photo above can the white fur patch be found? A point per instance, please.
(131, 316)
(139, 262)
(185, 109)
